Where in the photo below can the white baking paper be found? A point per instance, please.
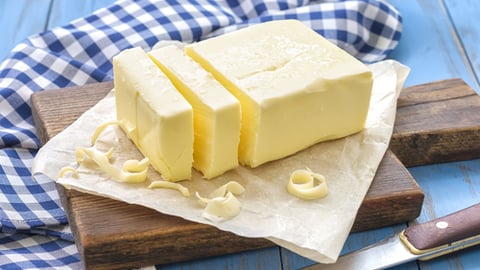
(315, 229)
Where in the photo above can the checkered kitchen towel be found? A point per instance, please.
(33, 231)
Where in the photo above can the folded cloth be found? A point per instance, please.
(31, 251)
(81, 53)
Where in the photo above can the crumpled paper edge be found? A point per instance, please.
(321, 248)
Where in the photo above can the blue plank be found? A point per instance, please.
(20, 19)
(63, 12)
(451, 186)
(261, 259)
(428, 45)
(464, 14)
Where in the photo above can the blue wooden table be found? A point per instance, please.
(440, 41)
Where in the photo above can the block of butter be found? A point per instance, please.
(155, 116)
(295, 87)
(216, 112)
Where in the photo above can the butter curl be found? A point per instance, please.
(307, 185)
(170, 185)
(222, 204)
(133, 171)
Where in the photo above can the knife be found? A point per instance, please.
(424, 241)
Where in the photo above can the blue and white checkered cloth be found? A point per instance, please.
(34, 232)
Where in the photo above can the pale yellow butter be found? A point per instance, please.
(155, 116)
(217, 116)
(307, 185)
(295, 88)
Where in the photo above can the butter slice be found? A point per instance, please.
(216, 112)
(295, 87)
(156, 117)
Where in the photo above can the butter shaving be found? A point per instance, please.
(170, 185)
(232, 186)
(103, 126)
(133, 171)
(222, 208)
(66, 170)
(307, 185)
(222, 204)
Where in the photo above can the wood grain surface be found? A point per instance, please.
(139, 234)
(437, 122)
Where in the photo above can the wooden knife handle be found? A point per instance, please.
(445, 230)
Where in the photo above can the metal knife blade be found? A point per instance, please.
(420, 241)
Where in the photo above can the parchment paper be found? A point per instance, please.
(315, 229)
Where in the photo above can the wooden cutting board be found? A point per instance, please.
(435, 122)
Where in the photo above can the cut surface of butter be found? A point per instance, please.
(216, 112)
(155, 116)
(295, 87)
